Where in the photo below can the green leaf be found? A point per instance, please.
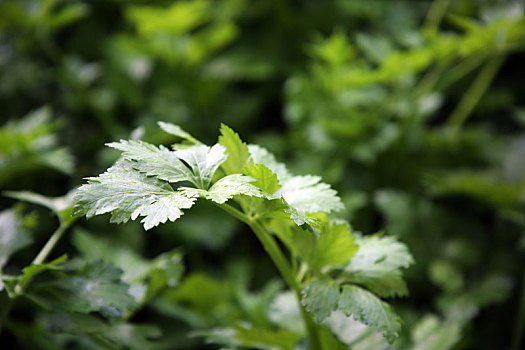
(261, 155)
(329, 341)
(334, 246)
(133, 336)
(13, 235)
(166, 270)
(285, 312)
(196, 164)
(401, 211)
(154, 161)
(145, 277)
(134, 267)
(280, 209)
(321, 298)
(68, 14)
(432, 333)
(377, 265)
(354, 333)
(59, 159)
(31, 142)
(445, 274)
(301, 195)
(176, 19)
(129, 198)
(95, 287)
(179, 132)
(386, 285)
(484, 186)
(203, 161)
(365, 307)
(246, 336)
(15, 285)
(467, 304)
(238, 154)
(73, 323)
(267, 182)
(199, 289)
(309, 195)
(265, 179)
(224, 189)
(127, 194)
(31, 271)
(204, 299)
(115, 335)
(300, 218)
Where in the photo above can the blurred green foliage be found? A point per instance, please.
(412, 110)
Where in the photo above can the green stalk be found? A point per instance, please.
(436, 13)
(235, 213)
(460, 70)
(275, 253)
(439, 79)
(475, 92)
(39, 259)
(429, 80)
(50, 244)
(44, 253)
(278, 258)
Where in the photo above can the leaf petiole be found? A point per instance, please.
(280, 261)
(276, 255)
(50, 244)
(44, 252)
(234, 212)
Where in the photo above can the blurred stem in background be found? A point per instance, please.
(474, 93)
(39, 259)
(435, 14)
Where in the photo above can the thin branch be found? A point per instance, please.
(436, 13)
(474, 93)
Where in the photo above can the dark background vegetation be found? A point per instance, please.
(417, 119)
